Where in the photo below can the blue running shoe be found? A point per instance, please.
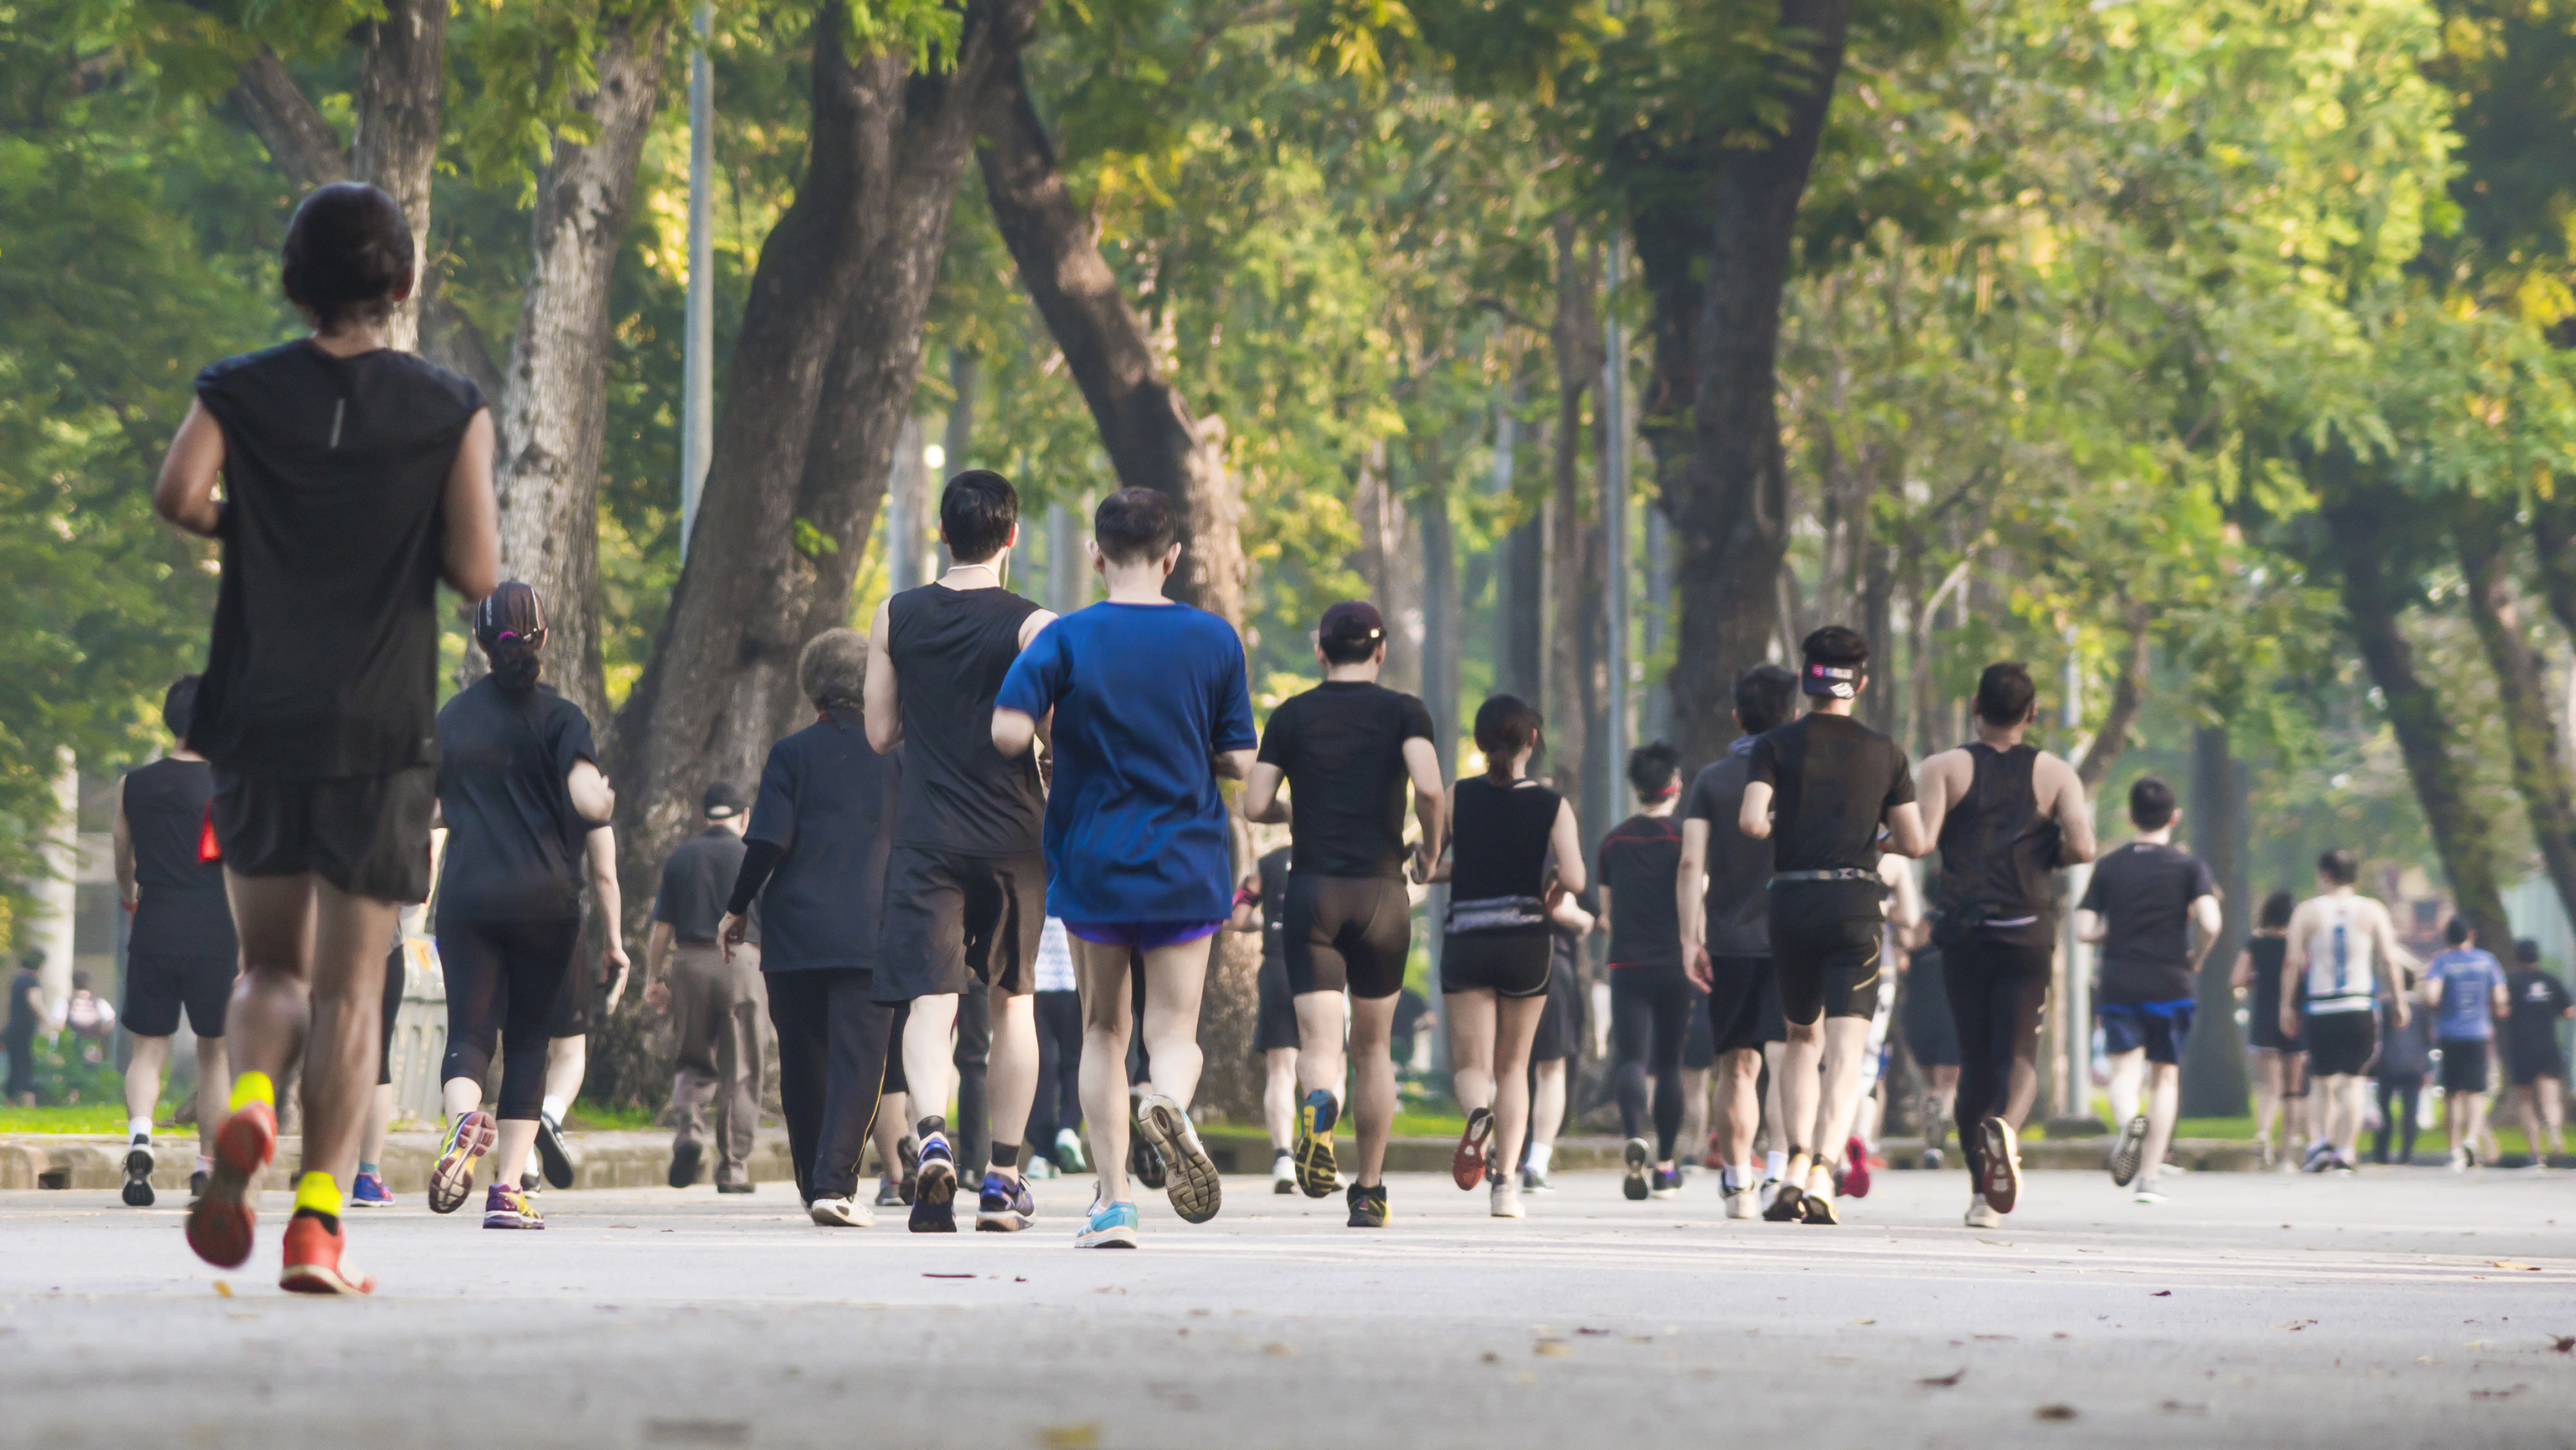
(1006, 1207)
(1111, 1226)
(367, 1190)
(934, 1197)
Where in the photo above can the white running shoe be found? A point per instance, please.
(1981, 1214)
(842, 1213)
(1283, 1172)
(2147, 1196)
(1507, 1199)
(1743, 1203)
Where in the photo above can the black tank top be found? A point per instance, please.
(950, 649)
(2268, 953)
(182, 910)
(1500, 857)
(1996, 850)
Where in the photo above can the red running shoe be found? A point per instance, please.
(1467, 1165)
(313, 1260)
(1856, 1169)
(221, 1220)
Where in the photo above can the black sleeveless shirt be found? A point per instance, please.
(950, 649)
(1500, 860)
(181, 910)
(1996, 853)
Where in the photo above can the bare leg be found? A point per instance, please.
(567, 1060)
(143, 1076)
(887, 1132)
(380, 1117)
(1373, 1094)
(1801, 1090)
(2479, 1132)
(351, 937)
(1279, 1095)
(1011, 1076)
(2551, 1095)
(518, 1136)
(2164, 1101)
(1175, 979)
(214, 1089)
(1101, 973)
(2267, 1094)
(2128, 1072)
(1320, 1059)
(1739, 1109)
(1693, 1143)
(929, 1050)
(1515, 1028)
(1775, 1135)
(1846, 1043)
(1471, 1019)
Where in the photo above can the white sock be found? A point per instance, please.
(554, 1109)
(1539, 1155)
(205, 1162)
(139, 1128)
(1774, 1164)
(1731, 1178)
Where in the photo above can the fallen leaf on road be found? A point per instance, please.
(1070, 1437)
(2161, 1294)
(2295, 1325)
(223, 1290)
(1944, 1381)
(948, 1276)
(2053, 1412)
(1110, 1289)
(1019, 1278)
(2562, 1342)
(1280, 1351)
(2510, 1264)
(1990, 1336)
(1492, 1358)
(2495, 1394)
(1552, 1348)
(1864, 1321)
(2426, 1359)
(1592, 1331)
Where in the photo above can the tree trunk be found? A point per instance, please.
(1146, 427)
(400, 84)
(2128, 693)
(2539, 766)
(1575, 341)
(1389, 559)
(1441, 602)
(2213, 1064)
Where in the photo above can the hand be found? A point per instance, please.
(2403, 1015)
(617, 985)
(2290, 1022)
(657, 997)
(731, 932)
(1418, 869)
(1696, 966)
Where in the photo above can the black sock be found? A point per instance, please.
(1006, 1155)
(330, 1221)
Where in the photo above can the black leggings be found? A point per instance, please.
(502, 980)
(1998, 992)
(1650, 1016)
(1058, 1105)
(2406, 1093)
(833, 1043)
(391, 1006)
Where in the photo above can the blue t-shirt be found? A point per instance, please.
(2469, 978)
(1143, 695)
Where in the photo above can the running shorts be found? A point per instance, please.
(1506, 963)
(158, 985)
(1825, 949)
(951, 919)
(2162, 1028)
(2341, 1044)
(1930, 1032)
(1560, 1023)
(1276, 1026)
(2525, 1069)
(367, 835)
(2464, 1065)
(1743, 1002)
(1699, 1043)
(1347, 932)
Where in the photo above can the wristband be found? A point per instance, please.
(1245, 896)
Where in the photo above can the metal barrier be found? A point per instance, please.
(420, 1032)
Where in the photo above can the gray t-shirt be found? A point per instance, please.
(1739, 868)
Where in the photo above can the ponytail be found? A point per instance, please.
(1505, 726)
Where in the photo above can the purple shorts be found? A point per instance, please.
(1141, 935)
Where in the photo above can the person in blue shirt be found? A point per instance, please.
(1145, 703)
(2465, 989)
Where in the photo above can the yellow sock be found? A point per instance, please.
(319, 1192)
(252, 1087)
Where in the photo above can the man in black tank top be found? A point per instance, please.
(2006, 814)
(182, 951)
(966, 882)
(1821, 789)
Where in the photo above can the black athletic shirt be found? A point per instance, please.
(827, 803)
(1834, 780)
(2533, 1002)
(1341, 745)
(514, 841)
(1274, 907)
(2268, 952)
(1996, 853)
(181, 910)
(325, 655)
(696, 882)
(2144, 891)
(951, 648)
(1738, 920)
(1500, 846)
(1641, 863)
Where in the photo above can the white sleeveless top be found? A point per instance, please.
(2340, 961)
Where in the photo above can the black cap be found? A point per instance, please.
(1353, 621)
(512, 611)
(722, 802)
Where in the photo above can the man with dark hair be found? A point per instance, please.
(1346, 750)
(2536, 1002)
(2006, 814)
(2141, 905)
(181, 951)
(966, 885)
(2342, 965)
(2465, 988)
(1651, 993)
(1837, 785)
(1722, 895)
(714, 997)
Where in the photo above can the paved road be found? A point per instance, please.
(2253, 1309)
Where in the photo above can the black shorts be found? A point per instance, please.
(1560, 1024)
(158, 984)
(2464, 1065)
(1743, 1006)
(1825, 949)
(367, 835)
(1347, 931)
(1931, 1033)
(1276, 1027)
(1506, 963)
(2341, 1044)
(2263, 1032)
(952, 919)
(2523, 1069)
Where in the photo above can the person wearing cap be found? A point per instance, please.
(526, 809)
(1346, 750)
(714, 998)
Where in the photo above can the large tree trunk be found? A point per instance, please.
(1441, 605)
(1574, 339)
(2213, 1064)
(1146, 427)
(2539, 766)
(2128, 695)
(400, 83)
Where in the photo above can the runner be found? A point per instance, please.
(26, 1012)
(355, 478)
(1148, 706)
(2343, 960)
(1559, 1038)
(1514, 856)
(966, 884)
(1722, 898)
(1651, 994)
(2465, 989)
(181, 950)
(1932, 1036)
(2006, 814)
(589, 993)
(526, 807)
(2405, 1056)
(1261, 904)
(1904, 907)
(2280, 1063)
(367, 1187)
(2534, 1062)
(815, 860)
(712, 994)
(1836, 783)
(2141, 905)
(1055, 1118)
(1347, 749)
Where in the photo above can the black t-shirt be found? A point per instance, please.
(950, 649)
(514, 841)
(181, 909)
(1739, 868)
(697, 882)
(1641, 862)
(2143, 891)
(2534, 1001)
(1341, 745)
(23, 1017)
(1274, 907)
(325, 655)
(1834, 780)
(828, 802)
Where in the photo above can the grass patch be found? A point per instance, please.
(596, 1117)
(94, 1118)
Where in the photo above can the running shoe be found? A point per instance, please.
(1283, 1171)
(315, 1258)
(1040, 1166)
(1111, 1226)
(451, 1178)
(2002, 1151)
(197, 1186)
(1932, 1159)
(2321, 1157)
(1855, 1177)
(532, 1184)
(1506, 1200)
(684, 1163)
(1143, 1163)
(2127, 1158)
(1668, 1183)
(2147, 1196)
(505, 1205)
(367, 1190)
(1195, 1190)
(889, 1193)
(1981, 1214)
(1068, 1151)
(907, 1152)
(1785, 1206)
(1638, 1159)
(553, 1154)
(1317, 1172)
(138, 1173)
(1368, 1205)
(1534, 1179)
(2459, 1160)
(745, 1186)
(1743, 1203)
(1005, 1206)
(1467, 1165)
(841, 1212)
(1817, 1208)
(221, 1220)
(934, 1197)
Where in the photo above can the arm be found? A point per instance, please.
(1932, 788)
(1228, 764)
(883, 699)
(1561, 838)
(1602, 922)
(1261, 800)
(2241, 976)
(2400, 961)
(472, 564)
(601, 846)
(1247, 906)
(591, 796)
(1013, 730)
(184, 495)
(657, 956)
(121, 836)
(1440, 862)
(2294, 965)
(2206, 915)
(1430, 802)
(1690, 905)
(1905, 833)
(1909, 896)
(2076, 844)
(1569, 913)
(2090, 926)
(1753, 818)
